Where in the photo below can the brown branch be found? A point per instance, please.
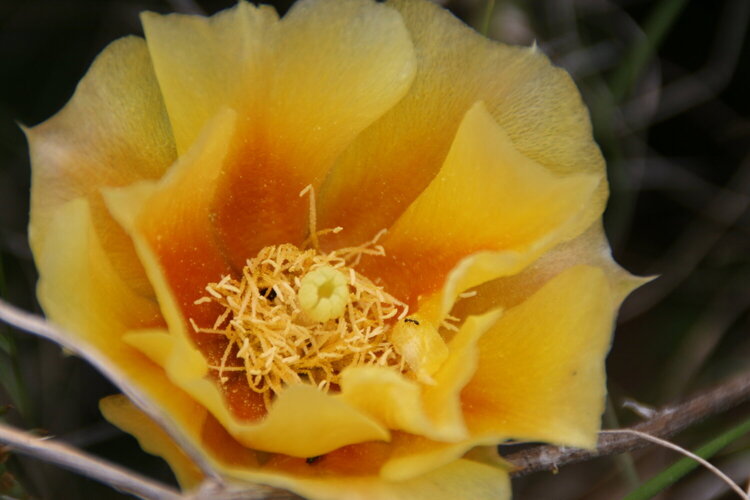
(82, 463)
(664, 423)
(125, 480)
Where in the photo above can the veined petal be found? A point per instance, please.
(205, 64)
(307, 85)
(488, 200)
(390, 163)
(114, 131)
(338, 66)
(541, 366)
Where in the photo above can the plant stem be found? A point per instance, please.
(82, 463)
(665, 423)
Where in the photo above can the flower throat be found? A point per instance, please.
(298, 315)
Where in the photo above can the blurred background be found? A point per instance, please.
(667, 83)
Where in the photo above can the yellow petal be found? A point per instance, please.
(419, 452)
(536, 104)
(390, 398)
(541, 366)
(442, 399)
(170, 226)
(590, 248)
(114, 131)
(81, 293)
(489, 200)
(302, 421)
(462, 478)
(78, 289)
(207, 64)
(152, 438)
(307, 85)
(439, 417)
(172, 218)
(421, 346)
(412, 456)
(432, 410)
(458, 479)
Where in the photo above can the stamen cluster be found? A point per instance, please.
(275, 342)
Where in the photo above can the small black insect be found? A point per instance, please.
(268, 293)
(312, 460)
(410, 320)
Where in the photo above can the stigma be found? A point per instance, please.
(323, 294)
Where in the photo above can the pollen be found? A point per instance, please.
(299, 315)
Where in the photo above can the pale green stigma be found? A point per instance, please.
(323, 294)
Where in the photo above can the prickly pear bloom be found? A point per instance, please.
(340, 252)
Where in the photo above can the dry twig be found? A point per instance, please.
(87, 465)
(665, 423)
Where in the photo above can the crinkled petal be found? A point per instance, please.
(303, 421)
(535, 103)
(488, 202)
(411, 455)
(461, 478)
(114, 131)
(306, 86)
(541, 374)
(590, 248)
(433, 410)
(458, 479)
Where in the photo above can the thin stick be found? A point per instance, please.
(37, 325)
(705, 463)
(87, 465)
(666, 422)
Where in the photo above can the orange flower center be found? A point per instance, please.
(303, 316)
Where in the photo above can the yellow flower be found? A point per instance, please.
(266, 336)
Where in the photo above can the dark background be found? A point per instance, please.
(667, 82)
